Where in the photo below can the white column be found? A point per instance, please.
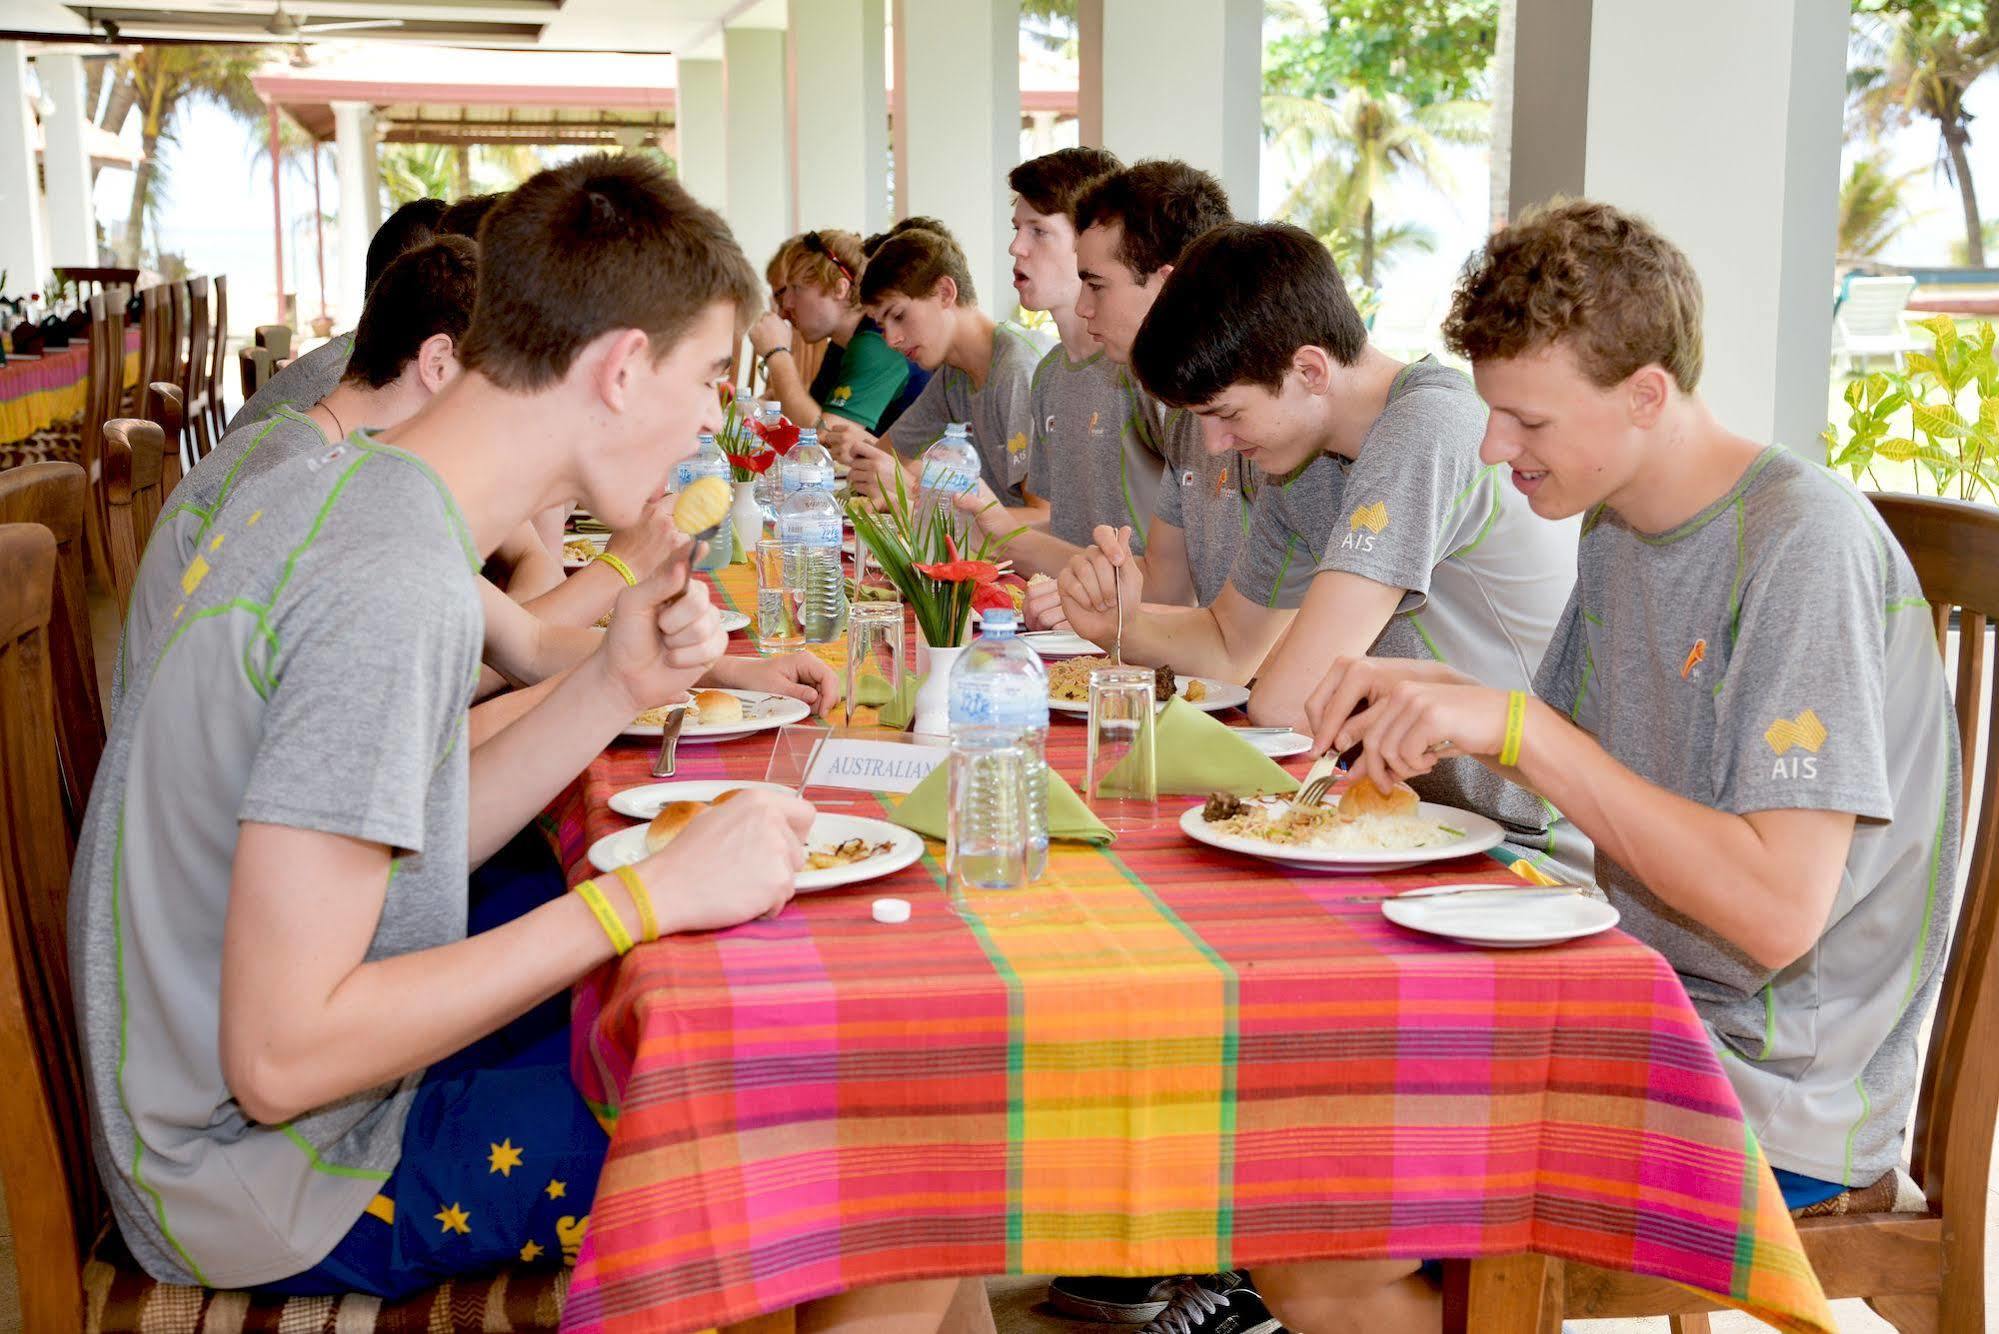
(371, 168)
(1178, 79)
(700, 132)
(72, 235)
(1747, 186)
(353, 145)
(753, 96)
(839, 115)
(957, 127)
(22, 252)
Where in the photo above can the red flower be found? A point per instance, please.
(781, 437)
(950, 546)
(757, 463)
(962, 571)
(992, 597)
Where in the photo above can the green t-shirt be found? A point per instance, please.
(860, 381)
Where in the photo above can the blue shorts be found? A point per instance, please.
(500, 1155)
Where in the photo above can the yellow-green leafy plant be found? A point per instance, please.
(1939, 413)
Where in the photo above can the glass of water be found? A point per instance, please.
(874, 662)
(778, 630)
(1123, 776)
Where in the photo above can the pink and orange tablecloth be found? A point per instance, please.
(39, 392)
(1161, 1058)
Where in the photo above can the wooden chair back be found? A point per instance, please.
(175, 456)
(132, 456)
(218, 362)
(278, 338)
(194, 386)
(253, 367)
(54, 1203)
(104, 398)
(53, 495)
(154, 311)
(175, 368)
(91, 282)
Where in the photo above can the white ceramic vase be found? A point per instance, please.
(933, 689)
(748, 519)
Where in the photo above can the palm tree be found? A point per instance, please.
(418, 171)
(1355, 145)
(164, 80)
(1872, 210)
(1920, 59)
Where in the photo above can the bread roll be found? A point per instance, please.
(672, 818)
(717, 706)
(1362, 797)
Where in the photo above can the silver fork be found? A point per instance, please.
(669, 741)
(1318, 782)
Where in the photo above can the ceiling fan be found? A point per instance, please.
(287, 28)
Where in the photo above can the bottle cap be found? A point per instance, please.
(999, 618)
(891, 910)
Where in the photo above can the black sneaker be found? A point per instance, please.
(1124, 1301)
(1194, 1309)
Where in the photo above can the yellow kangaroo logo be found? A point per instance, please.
(570, 1231)
(1373, 517)
(1805, 732)
(843, 393)
(1017, 443)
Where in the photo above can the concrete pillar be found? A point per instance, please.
(957, 128)
(1041, 134)
(1653, 143)
(700, 132)
(1178, 79)
(839, 115)
(759, 184)
(72, 238)
(353, 146)
(371, 168)
(23, 253)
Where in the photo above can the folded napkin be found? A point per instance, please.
(1197, 755)
(1068, 818)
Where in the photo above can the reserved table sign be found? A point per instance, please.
(855, 760)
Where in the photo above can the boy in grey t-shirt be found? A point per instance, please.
(1743, 706)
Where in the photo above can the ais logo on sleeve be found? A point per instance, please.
(1364, 526)
(1804, 732)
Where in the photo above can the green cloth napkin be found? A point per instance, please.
(1068, 818)
(1198, 755)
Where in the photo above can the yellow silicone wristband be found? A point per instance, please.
(648, 922)
(600, 908)
(1516, 724)
(617, 563)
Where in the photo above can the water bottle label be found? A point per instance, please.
(797, 479)
(814, 530)
(999, 701)
(683, 476)
(947, 479)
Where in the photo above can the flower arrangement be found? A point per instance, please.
(750, 446)
(918, 552)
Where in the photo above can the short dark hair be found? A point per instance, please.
(913, 258)
(410, 226)
(609, 241)
(1052, 183)
(426, 291)
(1241, 301)
(1160, 207)
(463, 217)
(916, 222)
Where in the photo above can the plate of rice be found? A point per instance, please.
(1069, 687)
(1384, 835)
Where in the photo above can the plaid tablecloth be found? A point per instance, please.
(39, 392)
(1162, 1058)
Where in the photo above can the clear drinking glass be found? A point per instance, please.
(874, 661)
(1123, 776)
(778, 630)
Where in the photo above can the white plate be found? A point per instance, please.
(1059, 644)
(1221, 695)
(761, 712)
(629, 845)
(642, 803)
(1503, 918)
(733, 621)
(599, 541)
(1479, 834)
(1281, 745)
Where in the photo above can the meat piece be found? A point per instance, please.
(1222, 806)
(1162, 684)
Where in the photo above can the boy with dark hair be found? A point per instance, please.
(1743, 706)
(289, 1035)
(1377, 528)
(312, 376)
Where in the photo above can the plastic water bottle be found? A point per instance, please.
(950, 469)
(999, 772)
(707, 460)
(769, 488)
(808, 524)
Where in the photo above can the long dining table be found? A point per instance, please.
(1159, 1058)
(38, 392)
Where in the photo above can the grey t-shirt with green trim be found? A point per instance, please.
(1089, 455)
(183, 526)
(301, 384)
(1486, 579)
(998, 411)
(1775, 653)
(1206, 496)
(316, 675)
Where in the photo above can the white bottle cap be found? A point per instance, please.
(891, 910)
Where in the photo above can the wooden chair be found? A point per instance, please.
(132, 459)
(154, 311)
(194, 382)
(1920, 1272)
(253, 368)
(173, 367)
(218, 363)
(172, 421)
(53, 495)
(104, 398)
(91, 282)
(278, 338)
